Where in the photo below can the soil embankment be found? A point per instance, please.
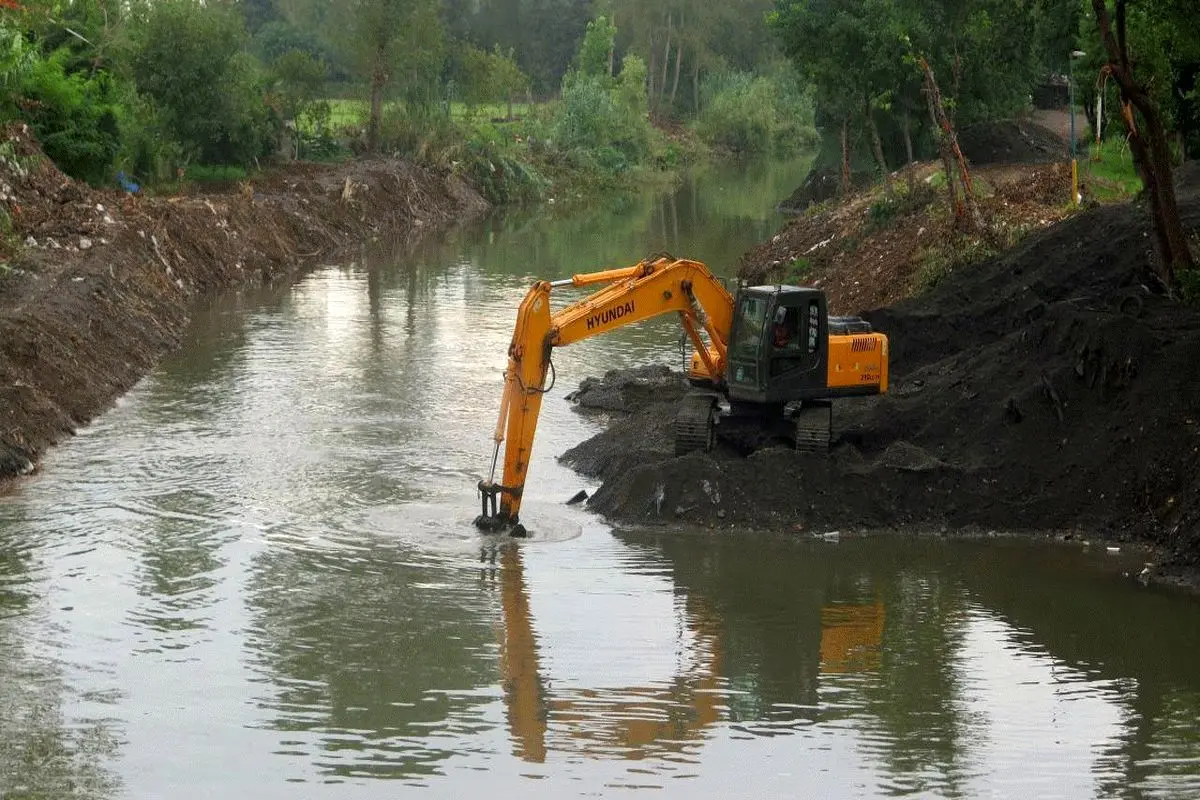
(95, 285)
(1049, 388)
(869, 250)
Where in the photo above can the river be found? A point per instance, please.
(256, 577)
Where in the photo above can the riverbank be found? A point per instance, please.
(95, 285)
(1043, 389)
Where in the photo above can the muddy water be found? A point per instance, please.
(256, 578)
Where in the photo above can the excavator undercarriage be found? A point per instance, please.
(704, 420)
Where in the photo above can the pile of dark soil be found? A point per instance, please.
(95, 285)
(821, 185)
(1011, 142)
(1047, 389)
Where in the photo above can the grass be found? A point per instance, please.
(1109, 172)
(938, 261)
(349, 113)
(799, 271)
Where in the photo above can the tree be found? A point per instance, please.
(1151, 151)
(190, 59)
(74, 116)
(595, 53)
(396, 43)
(488, 77)
(298, 82)
(257, 13)
(858, 68)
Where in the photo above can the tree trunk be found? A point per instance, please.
(379, 78)
(651, 71)
(968, 212)
(947, 160)
(696, 85)
(1152, 157)
(666, 65)
(906, 128)
(612, 51)
(877, 146)
(678, 66)
(845, 155)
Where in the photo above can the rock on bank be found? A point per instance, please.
(95, 285)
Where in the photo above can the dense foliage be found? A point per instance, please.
(155, 87)
(988, 56)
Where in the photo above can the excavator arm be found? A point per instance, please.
(647, 289)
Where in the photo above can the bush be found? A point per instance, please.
(590, 116)
(737, 113)
(74, 117)
(419, 134)
(149, 153)
(218, 174)
(755, 115)
(189, 59)
(935, 263)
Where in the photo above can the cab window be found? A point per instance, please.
(785, 332)
(752, 312)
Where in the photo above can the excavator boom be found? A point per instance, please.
(648, 289)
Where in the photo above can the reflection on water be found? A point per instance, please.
(257, 577)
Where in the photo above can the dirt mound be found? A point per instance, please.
(1011, 142)
(626, 390)
(1047, 389)
(821, 185)
(98, 283)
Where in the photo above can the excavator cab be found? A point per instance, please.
(778, 346)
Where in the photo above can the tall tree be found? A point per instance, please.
(396, 47)
(1151, 152)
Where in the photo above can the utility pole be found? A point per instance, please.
(1075, 197)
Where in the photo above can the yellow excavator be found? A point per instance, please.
(769, 360)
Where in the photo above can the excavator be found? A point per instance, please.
(766, 361)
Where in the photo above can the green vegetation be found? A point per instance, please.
(895, 79)
(1108, 170)
(755, 114)
(526, 97)
(798, 271)
(935, 263)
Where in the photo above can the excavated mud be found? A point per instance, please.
(1012, 142)
(95, 285)
(1050, 389)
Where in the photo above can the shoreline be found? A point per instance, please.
(100, 284)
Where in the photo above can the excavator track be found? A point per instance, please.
(694, 424)
(814, 427)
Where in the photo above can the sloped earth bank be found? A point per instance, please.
(1044, 390)
(95, 285)
(863, 262)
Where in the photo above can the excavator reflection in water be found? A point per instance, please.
(640, 722)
